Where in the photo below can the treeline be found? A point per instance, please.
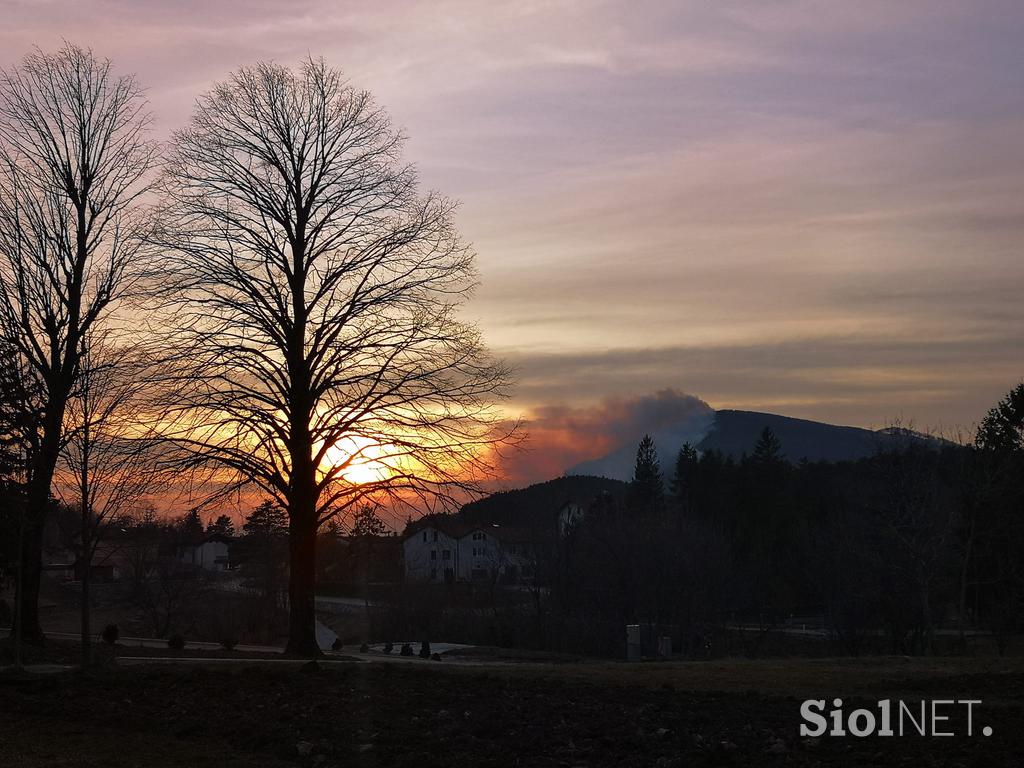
(914, 550)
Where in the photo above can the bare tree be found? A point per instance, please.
(109, 461)
(73, 162)
(315, 295)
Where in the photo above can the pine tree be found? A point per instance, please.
(267, 521)
(1002, 429)
(223, 525)
(647, 490)
(190, 524)
(684, 477)
(768, 449)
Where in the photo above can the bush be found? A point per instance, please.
(406, 649)
(176, 643)
(228, 642)
(110, 634)
(425, 650)
(6, 615)
(389, 647)
(337, 645)
(436, 657)
(364, 648)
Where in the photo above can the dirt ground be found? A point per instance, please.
(725, 713)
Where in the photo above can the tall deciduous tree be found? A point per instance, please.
(74, 160)
(316, 291)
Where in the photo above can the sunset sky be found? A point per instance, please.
(811, 208)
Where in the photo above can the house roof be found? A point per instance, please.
(447, 524)
(203, 538)
(459, 529)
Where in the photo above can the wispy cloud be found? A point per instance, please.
(816, 207)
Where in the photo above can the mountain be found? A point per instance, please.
(692, 429)
(736, 432)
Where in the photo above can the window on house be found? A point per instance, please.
(433, 554)
(435, 535)
(424, 535)
(446, 555)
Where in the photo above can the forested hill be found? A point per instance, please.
(736, 432)
(538, 503)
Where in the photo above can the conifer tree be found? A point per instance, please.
(647, 489)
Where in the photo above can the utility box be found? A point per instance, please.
(633, 643)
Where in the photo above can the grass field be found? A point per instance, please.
(423, 713)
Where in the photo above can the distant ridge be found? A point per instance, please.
(734, 433)
(730, 432)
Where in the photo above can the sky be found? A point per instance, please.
(809, 208)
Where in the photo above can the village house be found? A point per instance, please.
(440, 550)
(209, 552)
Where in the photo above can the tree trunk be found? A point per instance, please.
(26, 619)
(302, 583)
(38, 505)
(86, 631)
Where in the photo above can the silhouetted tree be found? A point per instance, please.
(267, 521)
(647, 489)
(73, 163)
(190, 524)
(223, 525)
(109, 461)
(1002, 429)
(315, 294)
(684, 479)
(366, 523)
(768, 449)
(263, 551)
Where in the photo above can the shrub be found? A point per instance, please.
(176, 642)
(389, 647)
(364, 648)
(228, 642)
(425, 650)
(406, 649)
(337, 645)
(110, 634)
(436, 657)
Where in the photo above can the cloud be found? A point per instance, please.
(864, 380)
(563, 436)
(809, 207)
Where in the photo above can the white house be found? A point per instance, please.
(209, 553)
(430, 551)
(442, 551)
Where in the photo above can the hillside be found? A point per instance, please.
(537, 504)
(736, 432)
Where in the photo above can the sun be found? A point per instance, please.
(368, 460)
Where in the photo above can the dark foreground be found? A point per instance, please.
(441, 714)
